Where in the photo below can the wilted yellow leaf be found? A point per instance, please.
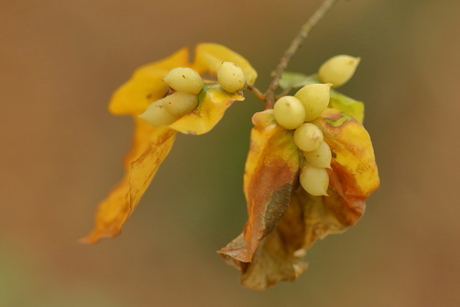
(151, 144)
(353, 164)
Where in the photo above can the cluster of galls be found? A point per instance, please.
(296, 112)
(291, 112)
(284, 219)
(185, 84)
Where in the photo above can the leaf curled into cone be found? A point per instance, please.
(278, 255)
(150, 144)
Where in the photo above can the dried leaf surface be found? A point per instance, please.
(353, 178)
(213, 101)
(151, 145)
(149, 148)
(271, 168)
(355, 175)
(209, 57)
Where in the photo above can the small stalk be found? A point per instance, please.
(289, 53)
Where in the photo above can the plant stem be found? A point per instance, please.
(289, 53)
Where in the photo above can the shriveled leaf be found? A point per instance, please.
(353, 178)
(270, 171)
(146, 85)
(209, 57)
(347, 105)
(291, 79)
(309, 218)
(151, 144)
(272, 262)
(213, 101)
(150, 147)
(279, 256)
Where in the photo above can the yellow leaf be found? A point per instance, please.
(209, 57)
(353, 162)
(150, 146)
(146, 85)
(213, 101)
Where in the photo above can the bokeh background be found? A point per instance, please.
(61, 150)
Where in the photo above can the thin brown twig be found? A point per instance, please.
(289, 53)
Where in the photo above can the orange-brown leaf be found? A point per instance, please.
(150, 146)
(213, 102)
(271, 168)
(353, 177)
(272, 262)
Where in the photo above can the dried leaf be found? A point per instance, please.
(151, 145)
(209, 57)
(271, 168)
(213, 101)
(279, 256)
(271, 263)
(354, 167)
(146, 85)
(353, 178)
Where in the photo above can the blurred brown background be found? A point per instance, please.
(61, 151)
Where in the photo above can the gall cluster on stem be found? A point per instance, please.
(296, 113)
(186, 84)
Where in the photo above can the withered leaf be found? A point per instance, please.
(271, 167)
(151, 145)
(353, 178)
